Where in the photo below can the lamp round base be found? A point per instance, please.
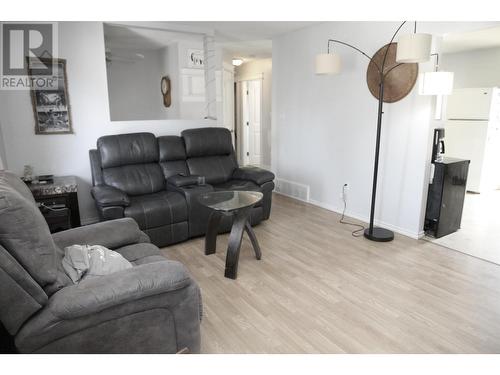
(379, 234)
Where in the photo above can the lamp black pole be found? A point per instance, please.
(376, 233)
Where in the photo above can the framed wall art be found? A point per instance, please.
(195, 58)
(50, 99)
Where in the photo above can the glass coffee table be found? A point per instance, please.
(231, 203)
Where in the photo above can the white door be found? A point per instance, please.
(251, 108)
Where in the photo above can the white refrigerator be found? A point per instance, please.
(473, 132)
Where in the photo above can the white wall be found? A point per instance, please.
(251, 70)
(82, 45)
(170, 62)
(189, 110)
(133, 86)
(477, 68)
(3, 157)
(324, 127)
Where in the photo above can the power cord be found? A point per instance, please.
(357, 232)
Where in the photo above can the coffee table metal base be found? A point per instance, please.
(241, 223)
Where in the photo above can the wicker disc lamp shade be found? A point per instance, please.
(399, 81)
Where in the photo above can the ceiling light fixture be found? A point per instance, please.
(237, 62)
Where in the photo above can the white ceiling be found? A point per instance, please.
(252, 39)
(248, 39)
(479, 39)
(232, 31)
(141, 38)
(249, 50)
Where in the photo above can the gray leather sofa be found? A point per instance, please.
(155, 181)
(154, 307)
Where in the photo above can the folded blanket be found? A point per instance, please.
(85, 261)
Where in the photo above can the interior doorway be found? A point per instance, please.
(471, 121)
(249, 98)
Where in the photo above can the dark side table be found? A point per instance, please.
(232, 203)
(58, 202)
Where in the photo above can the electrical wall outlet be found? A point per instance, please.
(345, 191)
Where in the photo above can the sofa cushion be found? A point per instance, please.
(181, 181)
(18, 185)
(135, 179)
(171, 148)
(149, 259)
(113, 234)
(20, 295)
(172, 156)
(155, 210)
(24, 233)
(137, 251)
(174, 168)
(168, 234)
(216, 169)
(126, 149)
(207, 142)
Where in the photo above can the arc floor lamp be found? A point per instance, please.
(411, 49)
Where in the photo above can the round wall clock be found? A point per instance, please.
(399, 81)
(165, 91)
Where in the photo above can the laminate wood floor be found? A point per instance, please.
(479, 234)
(317, 289)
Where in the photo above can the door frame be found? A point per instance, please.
(229, 94)
(239, 126)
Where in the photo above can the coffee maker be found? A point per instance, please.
(438, 145)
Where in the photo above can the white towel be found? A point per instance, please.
(84, 261)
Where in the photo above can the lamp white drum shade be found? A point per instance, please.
(436, 83)
(328, 63)
(414, 48)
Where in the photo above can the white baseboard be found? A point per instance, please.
(291, 196)
(363, 218)
(292, 189)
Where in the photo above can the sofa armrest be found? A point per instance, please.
(111, 234)
(180, 181)
(107, 196)
(254, 174)
(99, 293)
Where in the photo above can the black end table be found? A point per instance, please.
(232, 203)
(58, 202)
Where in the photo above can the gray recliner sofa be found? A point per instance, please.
(154, 307)
(155, 181)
